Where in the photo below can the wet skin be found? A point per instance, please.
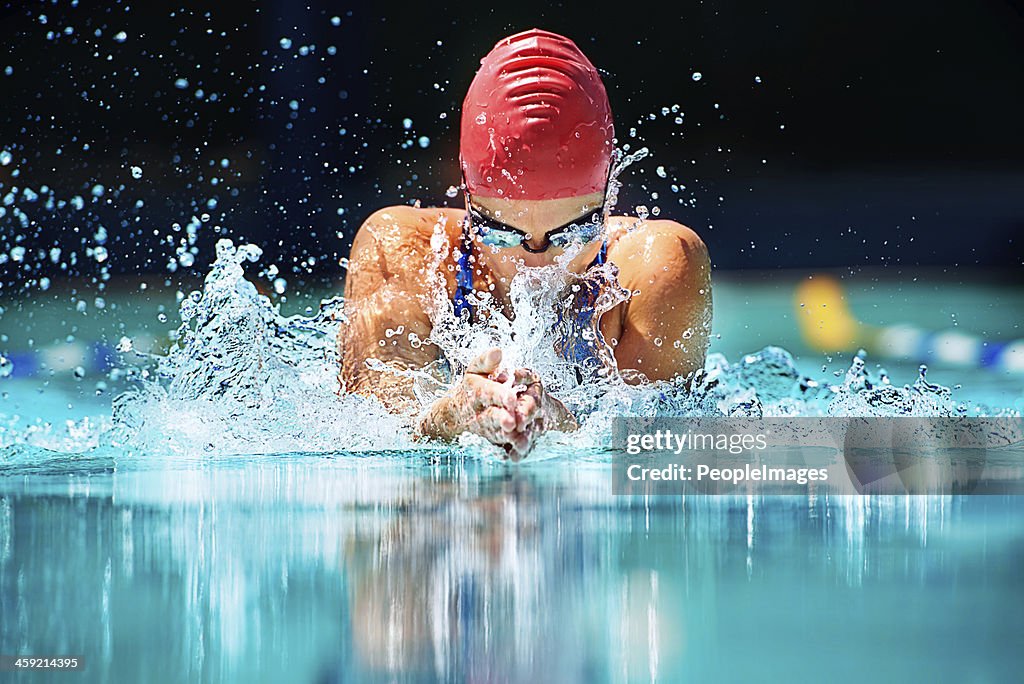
(394, 273)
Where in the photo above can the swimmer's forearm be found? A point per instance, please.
(444, 420)
(395, 392)
(559, 417)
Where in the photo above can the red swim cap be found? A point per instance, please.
(536, 123)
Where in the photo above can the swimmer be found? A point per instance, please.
(535, 155)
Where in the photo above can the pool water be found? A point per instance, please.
(385, 567)
(443, 564)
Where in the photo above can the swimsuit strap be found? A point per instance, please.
(463, 278)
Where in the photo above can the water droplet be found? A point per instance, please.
(424, 141)
(181, 83)
(6, 367)
(120, 36)
(452, 191)
(124, 345)
(335, 21)
(5, 158)
(136, 172)
(406, 124)
(286, 43)
(661, 172)
(697, 76)
(481, 119)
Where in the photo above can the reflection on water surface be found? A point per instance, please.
(396, 567)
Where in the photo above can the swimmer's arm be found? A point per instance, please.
(385, 291)
(667, 322)
(360, 341)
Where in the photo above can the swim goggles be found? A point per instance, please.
(582, 230)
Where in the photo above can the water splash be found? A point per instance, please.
(242, 378)
(542, 324)
(621, 160)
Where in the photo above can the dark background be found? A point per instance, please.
(880, 134)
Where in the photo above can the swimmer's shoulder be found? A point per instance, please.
(402, 246)
(637, 247)
(402, 228)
